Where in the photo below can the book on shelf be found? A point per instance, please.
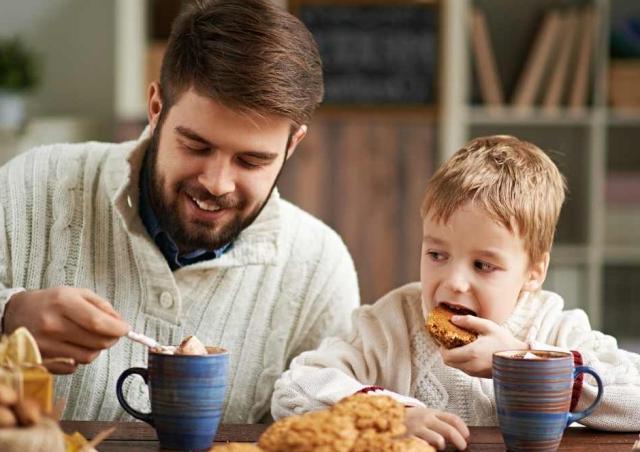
(622, 225)
(560, 67)
(588, 26)
(537, 63)
(623, 188)
(485, 61)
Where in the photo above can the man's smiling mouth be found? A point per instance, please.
(205, 205)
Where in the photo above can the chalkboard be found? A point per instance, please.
(375, 54)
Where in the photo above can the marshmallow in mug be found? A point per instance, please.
(190, 345)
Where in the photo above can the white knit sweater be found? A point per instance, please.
(69, 216)
(389, 347)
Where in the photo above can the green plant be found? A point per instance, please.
(18, 70)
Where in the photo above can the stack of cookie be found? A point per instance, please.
(359, 423)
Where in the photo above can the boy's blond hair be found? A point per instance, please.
(514, 181)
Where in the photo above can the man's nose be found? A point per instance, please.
(218, 176)
(457, 279)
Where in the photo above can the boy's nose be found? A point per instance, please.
(218, 178)
(457, 281)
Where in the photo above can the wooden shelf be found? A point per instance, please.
(531, 117)
(420, 112)
(622, 254)
(624, 118)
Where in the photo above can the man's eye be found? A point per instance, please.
(248, 164)
(196, 149)
(484, 266)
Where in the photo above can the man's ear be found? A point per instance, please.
(537, 274)
(154, 104)
(296, 138)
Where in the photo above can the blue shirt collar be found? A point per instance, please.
(163, 240)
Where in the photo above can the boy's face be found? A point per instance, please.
(474, 262)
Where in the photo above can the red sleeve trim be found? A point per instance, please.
(577, 383)
(370, 389)
(367, 389)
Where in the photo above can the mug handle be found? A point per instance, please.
(580, 414)
(146, 417)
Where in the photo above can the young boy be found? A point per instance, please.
(489, 217)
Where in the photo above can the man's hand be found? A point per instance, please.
(66, 322)
(436, 427)
(476, 358)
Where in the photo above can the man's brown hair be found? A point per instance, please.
(514, 181)
(249, 55)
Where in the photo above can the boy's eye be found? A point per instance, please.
(436, 256)
(484, 266)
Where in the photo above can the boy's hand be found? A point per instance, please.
(476, 358)
(436, 427)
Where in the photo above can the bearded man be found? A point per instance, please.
(181, 232)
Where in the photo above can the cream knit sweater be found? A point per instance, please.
(389, 347)
(69, 216)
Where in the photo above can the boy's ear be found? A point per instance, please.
(537, 274)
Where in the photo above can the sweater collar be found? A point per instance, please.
(257, 244)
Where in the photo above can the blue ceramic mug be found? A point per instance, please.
(533, 397)
(187, 394)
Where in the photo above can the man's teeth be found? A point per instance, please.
(204, 205)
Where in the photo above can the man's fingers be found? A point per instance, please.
(93, 319)
(80, 355)
(75, 334)
(60, 366)
(454, 420)
(100, 303)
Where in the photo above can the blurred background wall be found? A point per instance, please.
(408, 82)
(74, 44)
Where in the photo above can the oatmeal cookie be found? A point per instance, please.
(379, 413)
(321, 431)
(412, 445)
(446, 333)
(236, 447)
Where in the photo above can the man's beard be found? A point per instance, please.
(195, 234)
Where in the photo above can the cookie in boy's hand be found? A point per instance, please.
(444, 331)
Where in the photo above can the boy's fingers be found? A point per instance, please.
(454, 420)
(433, 438)
(455, 355)
(473, 323)
(450, 433)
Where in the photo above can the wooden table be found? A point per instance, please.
(138, 436)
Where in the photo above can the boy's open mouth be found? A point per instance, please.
(457, 309)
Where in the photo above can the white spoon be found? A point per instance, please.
(150, 342)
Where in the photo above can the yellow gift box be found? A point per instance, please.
(31, 381)
(21, 368)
